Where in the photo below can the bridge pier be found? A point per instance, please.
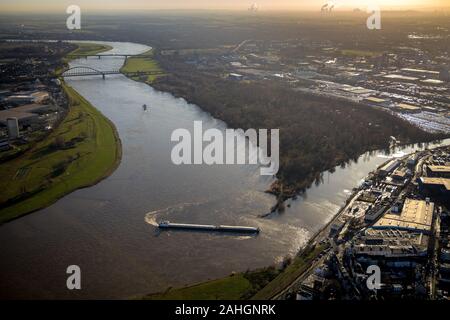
(103, 76)
(99, 56)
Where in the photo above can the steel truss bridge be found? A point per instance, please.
(88, 71)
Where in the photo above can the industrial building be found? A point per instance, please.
(25, 114)
(404, 107)
(400, 247)
(400, 78)
(377, 102)
(235, 76)
(20, 98)
(389, 167)
(420, 73)
(433, 82)
(435, 186)
(416, 216)
(438, 171)
(375, 213)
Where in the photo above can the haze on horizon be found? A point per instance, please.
(55, 6)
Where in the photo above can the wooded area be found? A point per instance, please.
(316, 133)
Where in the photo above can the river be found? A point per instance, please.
(110, 231)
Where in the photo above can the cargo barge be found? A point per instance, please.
(206, 227)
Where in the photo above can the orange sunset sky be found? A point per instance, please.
(265, 5)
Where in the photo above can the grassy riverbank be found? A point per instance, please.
(83, 150)
(239, 286)
(82, 49)
(88, 49)
(229, 288)
(143, 64)
(261, 284)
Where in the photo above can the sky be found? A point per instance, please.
(263, 5)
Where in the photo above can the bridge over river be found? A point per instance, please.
(83, 71)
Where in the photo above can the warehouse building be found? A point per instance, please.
(438, 171)
(26, 114)
(435, 186)
(408, 108)
(393, 248)
(416, 216)
(389, 167)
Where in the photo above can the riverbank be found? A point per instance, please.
(82, 151)
(145, 64)
(85, 48)
(236, 286)
(260, 284)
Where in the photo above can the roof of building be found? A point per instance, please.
(33, 107)
(22, 113)
(437, 182)
(391, 243)
(40, 94)
(439, 169)
(420, 71)
(400, 173)
(6, 114)
(20, 96)
(406, 106)
(400, 77)
(375, 99)
(391, 165)
(416, 215)
(361, 91)
(432, 81)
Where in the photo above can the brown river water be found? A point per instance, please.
(110, 230)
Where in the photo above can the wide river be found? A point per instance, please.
(109, 230)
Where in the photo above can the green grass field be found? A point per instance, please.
(84, 149)
(229, 288)
(90, 48)
(144, 64)
(83, 48)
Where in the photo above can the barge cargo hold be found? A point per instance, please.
(206, 227)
